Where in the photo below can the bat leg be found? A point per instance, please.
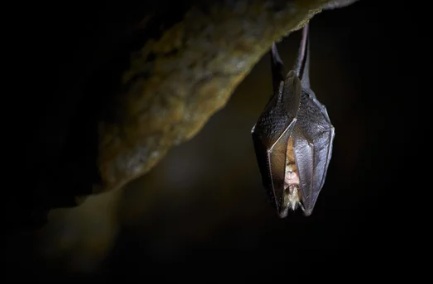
(303, 59)
(277, 67)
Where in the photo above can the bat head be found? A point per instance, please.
(292, 195)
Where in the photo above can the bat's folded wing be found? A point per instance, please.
(313, 148)
(271, 157)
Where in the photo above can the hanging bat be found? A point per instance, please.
(293, 137)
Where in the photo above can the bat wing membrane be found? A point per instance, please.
(271, 134)
(313, 139)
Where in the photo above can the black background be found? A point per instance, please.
(369, 218)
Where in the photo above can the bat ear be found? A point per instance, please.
(303, 59)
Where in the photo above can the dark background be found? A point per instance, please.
(202, 209)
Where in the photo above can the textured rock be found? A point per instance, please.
(175, 83)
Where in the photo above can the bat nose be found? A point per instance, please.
(283, 212)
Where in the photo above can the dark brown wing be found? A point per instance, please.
(313, 139)
(271, 134)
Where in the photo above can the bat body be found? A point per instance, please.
(293, 137)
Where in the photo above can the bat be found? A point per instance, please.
(293, 137)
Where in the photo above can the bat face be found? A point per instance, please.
(293, 138)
